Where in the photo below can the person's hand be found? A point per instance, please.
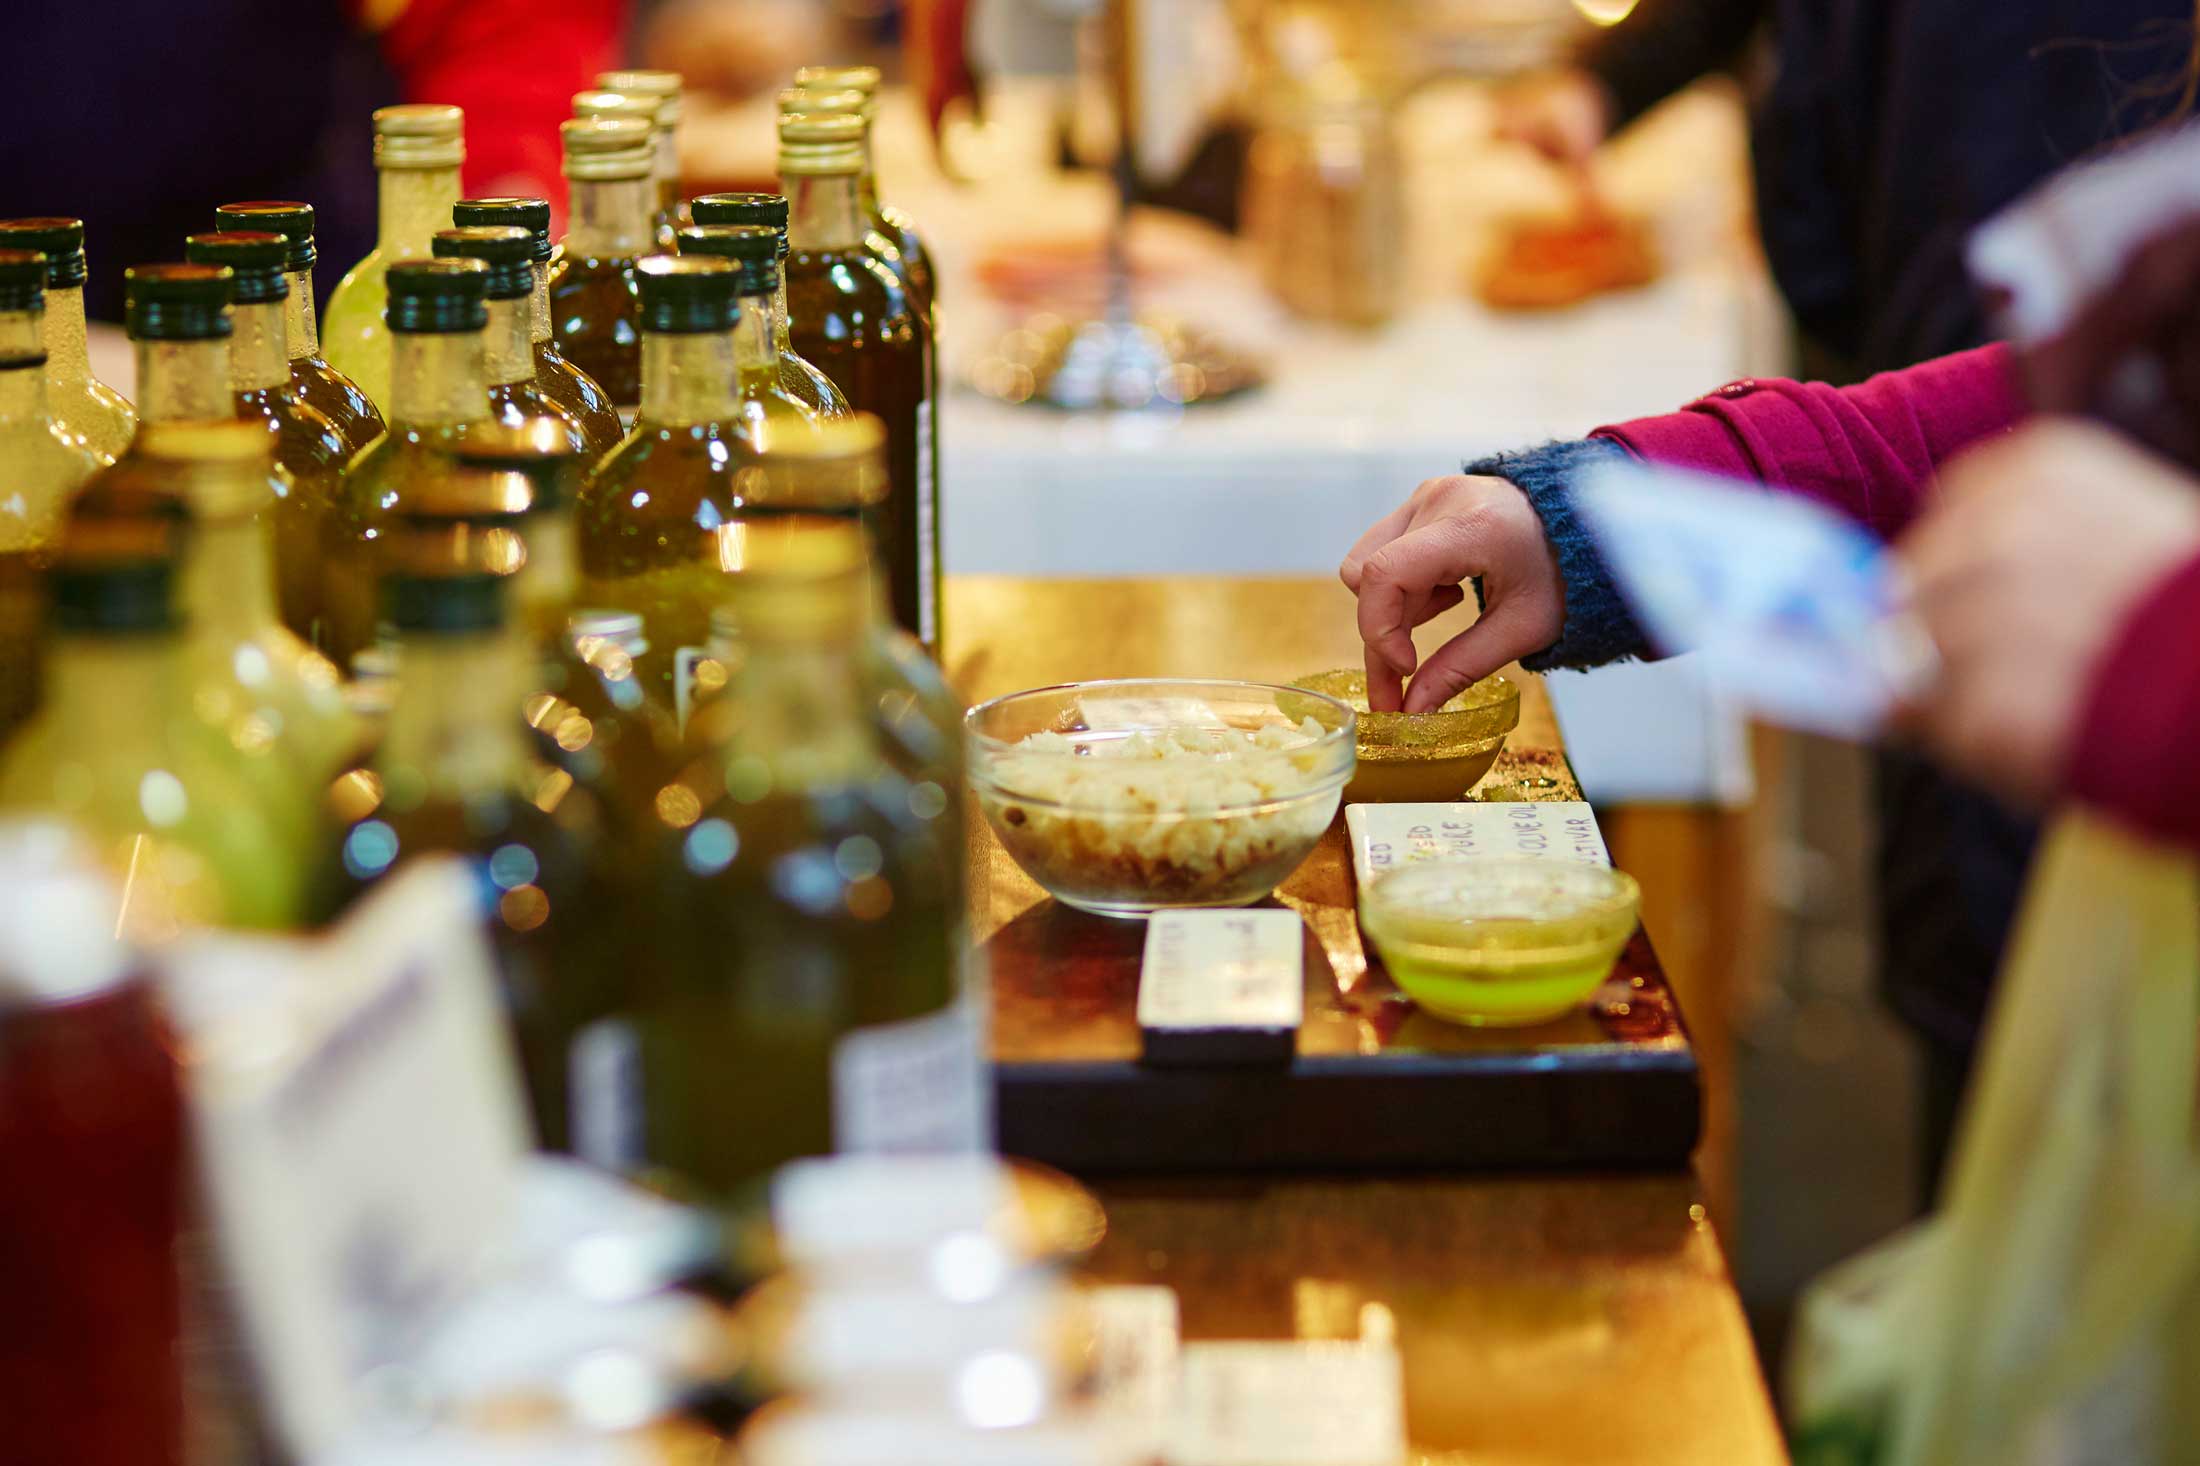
(1410, 567)
(2038, 548)
(1564, 115)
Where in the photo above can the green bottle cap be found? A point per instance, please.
(112, 597)
(177, 302)
(767, 209)
(688, 294)
(438, 297)
(256, 260)
(443, 602)
(753, 248)
(508, 251)
(532, 215)
(61, 241)
(287, 217)
(22, 280)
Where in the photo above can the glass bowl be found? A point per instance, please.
(1423, 758)
(1500, 941)
(1130, 797)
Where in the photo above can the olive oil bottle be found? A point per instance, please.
(805, 996)
(641, 107)
(508, 351)
(418, 148)
(801, 378)
(756, 250)
(86, 408)
(855, 88)
(437, 314)
(557, 379)
(851, 315)
(45, 464)
(308, 447)
(320, 385)
(754, 255)
(595, 298)
(664, 87)
(455, 775)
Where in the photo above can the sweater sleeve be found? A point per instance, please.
(2139, 730)
(1598, 627)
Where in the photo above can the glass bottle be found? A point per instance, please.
(594, 720)
(508, 352)
(897, 232)
(556, 378)
(418, 148)
(797, 378)
(641, 107)
(335, 395)
(44, 466)
(850, 315)
(595, 299)
(86, 408)
(455, 775)
(437, 314)
(754, 254)
(804, 998)
(308, 447)
(119, 752)
(664, 87)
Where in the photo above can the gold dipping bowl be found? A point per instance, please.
(1423, 758)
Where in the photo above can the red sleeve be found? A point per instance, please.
(514, 66)
(2137, 754)
(1867, 450)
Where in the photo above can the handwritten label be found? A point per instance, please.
(1223, 969)
(1386, 836)
(917, 1085)
(1135, 1343)
(1297, 1404)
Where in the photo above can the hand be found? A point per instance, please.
(1410, 567)
(2038, 548)
(1565, 115)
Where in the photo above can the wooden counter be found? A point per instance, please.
(1578, 1318)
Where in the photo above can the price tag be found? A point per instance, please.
(360, 1132)
(1134, 1359)
(1296, 1404)
(1386, 836)
(917, 1085)
(1141, 714)
(1222, 987)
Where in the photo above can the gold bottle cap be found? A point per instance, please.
(663, 85)
(606, 149)
(824, 102)
(793, 575)
(834, 467)
(812, 144)
(616, 104)
(863, 79)
(227, 466)
(419, 135)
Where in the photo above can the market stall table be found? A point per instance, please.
(1549, 1317)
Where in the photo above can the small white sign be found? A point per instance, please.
(1135, 1340)
(1142, 714)
(914, 1086)
(1289, 1404)
(1223, 969)
(1386, 836)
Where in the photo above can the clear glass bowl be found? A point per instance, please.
(1423, 758)
(1155, 794)
(1500, 941)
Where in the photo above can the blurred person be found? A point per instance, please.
(140, 116)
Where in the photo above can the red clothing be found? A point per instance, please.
(1870, 451)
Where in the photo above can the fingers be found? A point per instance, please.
(1386, 688)
(1399, 580)
(1501, 636)
(1381, 533)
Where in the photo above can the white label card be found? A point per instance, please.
(1223, 969)
(918, 1085)
(1295, 1404)
(1115, 714)
(1135, 1339)
(1386, 836)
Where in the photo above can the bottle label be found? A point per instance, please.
(684, 662)
(603, 1091)
(928, 534)
(918, 1085)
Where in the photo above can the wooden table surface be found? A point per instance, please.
(1541, 1318)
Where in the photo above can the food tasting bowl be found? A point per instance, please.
(1500, 941)
(1429, 758)
(1129, 797)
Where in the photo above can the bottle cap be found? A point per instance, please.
(768, 209)
(664, 86)
(61, 241)
(793, 576)
(825, 101)
(256, 260)
(833, 467)
(225, 468)
(863, 79)
(22, 280)
(507, 250)
(754, 249)
(606, 149)
(177, 302)
(536, 454)
(452, 600)
(532, 215)
(419, 135)
(638, 105)
(112, 597)
(287, 217)
(814, 144)
(688, 294)
(430, 297)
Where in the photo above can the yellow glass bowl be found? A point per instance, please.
(1423, 758)
(1500, 941)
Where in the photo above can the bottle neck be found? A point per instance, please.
(782, 326)
(301, 331)
(68, 349)
(508, 345)
(116, 688)
(456, 723)
(612, 219)
(438, 379)
(258, 356)
(227, 588)
(867, 178)
(802, 711)
(183, 381)
(22, 387)
(688, 377)
(756, 342)
(824, 212)
(545, 587)
(538, 316)
(415, 203)
(667, 173)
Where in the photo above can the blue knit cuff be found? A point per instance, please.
(1598, 627)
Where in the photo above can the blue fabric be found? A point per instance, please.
(1598, 627)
